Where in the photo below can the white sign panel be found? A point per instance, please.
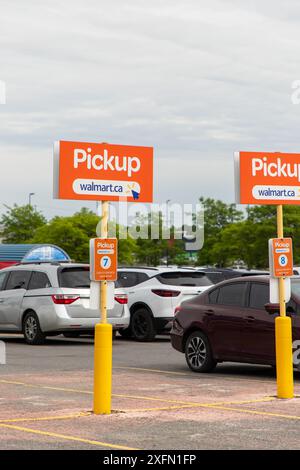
(274, 290)
(95, 295)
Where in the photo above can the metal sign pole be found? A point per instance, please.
(283, 335)
(103, 342)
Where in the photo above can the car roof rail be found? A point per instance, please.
(139, 267)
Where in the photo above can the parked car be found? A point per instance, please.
(222, 274)
(48, 299)
(153, 293)
(232, 321)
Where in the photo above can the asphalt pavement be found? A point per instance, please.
(46, 397)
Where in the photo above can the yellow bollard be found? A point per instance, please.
(284, 359)
(102, 368)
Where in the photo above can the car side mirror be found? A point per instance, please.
(272, 309)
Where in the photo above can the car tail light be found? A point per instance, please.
(166, 292)
(62, 299)
(121, 298)
(177, 309)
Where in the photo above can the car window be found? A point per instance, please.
(213, 296)
(142, 277)
(127, 279)
(39, 280)
(232, 294)
(3, 277)
(18, 280)
(74, 277)
(178, 278)
(259, 295)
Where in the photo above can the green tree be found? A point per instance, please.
(63, 232)
(217, 216)
(20, 223)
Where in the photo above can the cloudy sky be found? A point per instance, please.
(195, 79)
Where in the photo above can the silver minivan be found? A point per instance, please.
(47, 299)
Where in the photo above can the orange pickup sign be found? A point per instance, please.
(99, 171)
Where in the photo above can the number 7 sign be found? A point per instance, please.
(103, 259)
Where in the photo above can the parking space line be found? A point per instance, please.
(214, 376)
(66, 437)
(137, 397)
(158, 371)
(47, 418)
(201, 405)
(256, 412)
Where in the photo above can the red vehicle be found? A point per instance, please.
(232, 321)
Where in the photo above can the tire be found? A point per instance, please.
(142, 326)
(198, 353)
(125, 332)
(31, 329)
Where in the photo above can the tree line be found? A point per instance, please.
(231, 235)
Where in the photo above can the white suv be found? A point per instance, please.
(48, 299)
(153, 295)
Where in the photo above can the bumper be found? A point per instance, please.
(85, 324)
(163, 323)
(176, 336)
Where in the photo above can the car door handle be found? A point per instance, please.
(250, 319)
(209, 312)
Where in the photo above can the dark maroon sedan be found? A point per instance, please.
(232, 321)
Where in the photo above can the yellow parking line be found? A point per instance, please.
(47, 418)
(256, 412)
(136, 397)
(158, 371)
(200, 405)
(214, 376)
(66, 437)
(163, 408)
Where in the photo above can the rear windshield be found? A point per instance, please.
(77, 277)
(74, 277)
(219, 276)
(184, 279)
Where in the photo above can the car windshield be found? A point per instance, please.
(75, 277)
(177, 278)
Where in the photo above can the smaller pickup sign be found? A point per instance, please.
(103, 259)
(281, 257)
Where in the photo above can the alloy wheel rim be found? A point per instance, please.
(140, 325)
(30, 328)
(196, 352)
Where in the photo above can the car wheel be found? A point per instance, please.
(125, 332)
(142, 326)
(198, 353)
(31, 329)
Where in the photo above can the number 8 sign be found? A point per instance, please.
(103, 259)
(281, 257)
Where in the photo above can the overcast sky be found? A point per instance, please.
(195, 79)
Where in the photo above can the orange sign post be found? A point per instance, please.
(103, 172)
(274, 178)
